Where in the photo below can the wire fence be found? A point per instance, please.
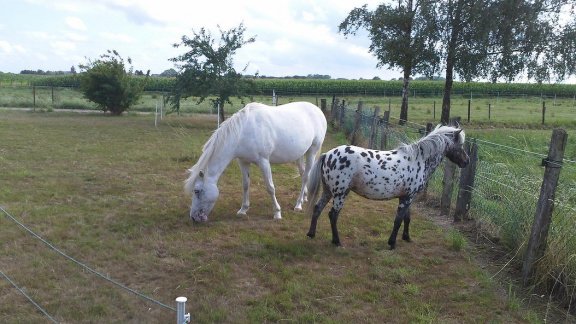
(77, 262)
(485, 107)
(506, 190)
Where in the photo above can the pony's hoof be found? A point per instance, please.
(241, 213)
(407, 239)
(298, 208)
(277, 216)
(337, 243)
(311, 235)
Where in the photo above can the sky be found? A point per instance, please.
(293, 37)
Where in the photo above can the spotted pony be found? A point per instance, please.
(381, 175)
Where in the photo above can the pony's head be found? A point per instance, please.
(204, 196)
(455, 151)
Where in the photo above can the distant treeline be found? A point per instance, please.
(328, 87)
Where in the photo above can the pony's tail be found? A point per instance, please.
(313, 184)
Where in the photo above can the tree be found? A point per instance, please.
(169, 73)
(520, 37)
(106, 82)
(402, 37)
(207, 69)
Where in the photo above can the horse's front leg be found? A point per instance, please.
(402, 214)
(264, 165)
(245, 169)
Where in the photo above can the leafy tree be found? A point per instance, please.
(107, 83)
(207, 69)
(402, 36)
(519, 37)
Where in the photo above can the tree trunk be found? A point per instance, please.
(405, 95)
(456, 26)
(445, 117)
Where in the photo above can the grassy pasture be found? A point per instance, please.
(108, 191)
(518, 111)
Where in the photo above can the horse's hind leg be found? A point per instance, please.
(317, 211)
(406, 233)
(245, 169)
(304, 169)
(267, 173)
(402, 214)
(333, 215)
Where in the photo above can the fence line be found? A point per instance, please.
(28, 297)
(504, 200)
(84, 266)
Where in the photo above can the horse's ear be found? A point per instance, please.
(457, 134)
(201, 174)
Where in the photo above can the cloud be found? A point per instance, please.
(117, 37)
(8, 48)
(75, 23)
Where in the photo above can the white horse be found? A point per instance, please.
(257, 134)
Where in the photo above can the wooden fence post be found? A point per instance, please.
(334, 110)
(466, 184)
(341, 112)
(545, 206)
(323, 105)
(357, 120)
(469, 101)
(383, 125)
(447, 187)
(374, 129)
(543, 111)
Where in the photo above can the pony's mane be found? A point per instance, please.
(229, 129)
(435, 142)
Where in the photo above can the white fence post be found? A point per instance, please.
(181, 316)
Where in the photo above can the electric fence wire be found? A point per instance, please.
(85, 266)
(28, 297)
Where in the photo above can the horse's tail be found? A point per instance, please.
(313, 184)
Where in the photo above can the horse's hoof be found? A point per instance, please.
(277, 216)
(337, 244)
(298, 208)
(392, 246)
(406, 239)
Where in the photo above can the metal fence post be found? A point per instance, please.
(181, 316)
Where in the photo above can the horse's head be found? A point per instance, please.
(204, 196)
(456, 152)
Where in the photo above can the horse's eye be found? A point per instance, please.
(197, 192)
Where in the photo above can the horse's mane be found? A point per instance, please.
(229, 129)
(435, 142)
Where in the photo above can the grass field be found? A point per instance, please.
(518, 111)
(108, 192)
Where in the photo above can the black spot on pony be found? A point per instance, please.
(401, 179)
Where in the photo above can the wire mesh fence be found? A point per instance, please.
(506, 190)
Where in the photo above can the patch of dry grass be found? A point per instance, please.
(108, 191)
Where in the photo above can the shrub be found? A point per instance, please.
(107, 83)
